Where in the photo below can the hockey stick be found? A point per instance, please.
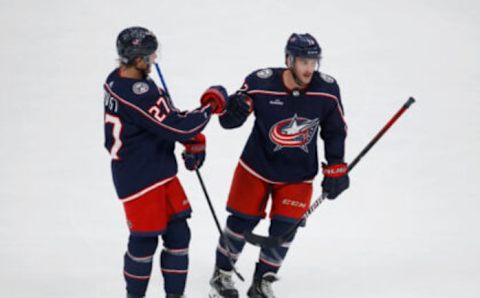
(222, 236)
(265, 241)
(217, 223)
(164, 85)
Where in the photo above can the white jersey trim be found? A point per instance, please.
(145, 190)
(251, 171)
(268, 92)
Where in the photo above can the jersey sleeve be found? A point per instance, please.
(334, 129)
(155, 112)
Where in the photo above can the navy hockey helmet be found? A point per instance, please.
(135, 42)
(303, 45)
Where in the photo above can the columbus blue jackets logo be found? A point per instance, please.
(140, 88)
(327, 78)
(264, 73)
(295, 132)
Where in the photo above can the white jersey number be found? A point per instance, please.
(160, 110)
(117, 128)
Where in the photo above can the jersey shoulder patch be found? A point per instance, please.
(264, 73)
(140, 88)
(327, 78)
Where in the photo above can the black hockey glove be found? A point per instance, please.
(194, 153)
(239, 106)
(335, 179)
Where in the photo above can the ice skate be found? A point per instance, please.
(222, 285)
(262, 287)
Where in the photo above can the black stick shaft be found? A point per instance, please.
(217, 223)
(377, 137)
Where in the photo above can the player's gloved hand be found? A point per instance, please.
(194, 153)
(335, 179)
(217, 97)
(239, 105)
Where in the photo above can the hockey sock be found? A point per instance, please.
(233, 231)
(271, 259)
(138, 263)
(174, 256)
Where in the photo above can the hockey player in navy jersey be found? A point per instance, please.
(291, 106)
(141, 129)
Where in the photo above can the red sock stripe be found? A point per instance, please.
(276, 265)
(224, 252)
(174, 271)
(129, 275)
(177, 251)
(147, 259)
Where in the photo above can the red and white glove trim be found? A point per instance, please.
(335, 171)
(217, 97)
(197, 144)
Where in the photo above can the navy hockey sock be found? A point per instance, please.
(233, 231)
(271, 259)
(138, 263)
(174, 256)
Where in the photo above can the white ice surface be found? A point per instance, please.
(407, 227)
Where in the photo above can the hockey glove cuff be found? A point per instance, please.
(240, 104)
(194, 153)
(335, 179)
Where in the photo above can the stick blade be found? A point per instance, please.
(263, 241)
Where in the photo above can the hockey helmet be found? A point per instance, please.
(303, 45)
(135, 42)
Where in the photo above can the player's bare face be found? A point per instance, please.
(304, 69)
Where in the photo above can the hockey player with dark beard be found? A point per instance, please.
(291, 106)
(142, 127)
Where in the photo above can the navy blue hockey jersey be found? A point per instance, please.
(141, 128)
(282, 147)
